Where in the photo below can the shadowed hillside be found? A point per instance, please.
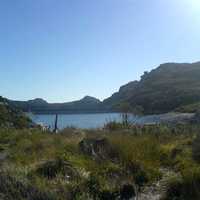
(164, 89)
(11, 117)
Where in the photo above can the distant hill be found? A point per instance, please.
(169, 87)
(164, 89)
(85, 105)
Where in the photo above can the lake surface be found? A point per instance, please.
(99, 120)
(77, 120)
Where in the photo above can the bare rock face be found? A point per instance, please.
(98, 148)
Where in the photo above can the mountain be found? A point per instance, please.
(164, 89)
(171, 86)
(85, 105)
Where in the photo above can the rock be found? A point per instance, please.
(97, 148)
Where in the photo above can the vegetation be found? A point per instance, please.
(11, 117)
(99, 164)
(191, 108)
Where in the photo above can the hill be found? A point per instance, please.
(11, 117)
(164, 89)
(170, 87)
(85, 105)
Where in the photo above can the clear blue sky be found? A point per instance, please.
(62, 50)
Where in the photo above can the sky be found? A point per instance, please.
(62, 50)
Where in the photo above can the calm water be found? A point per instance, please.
(77, 120)
(99, 120)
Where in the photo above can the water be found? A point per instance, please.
(99, 120)
(77, 120)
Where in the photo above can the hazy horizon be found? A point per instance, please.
(63, 51)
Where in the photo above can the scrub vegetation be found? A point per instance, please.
(112, 163)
